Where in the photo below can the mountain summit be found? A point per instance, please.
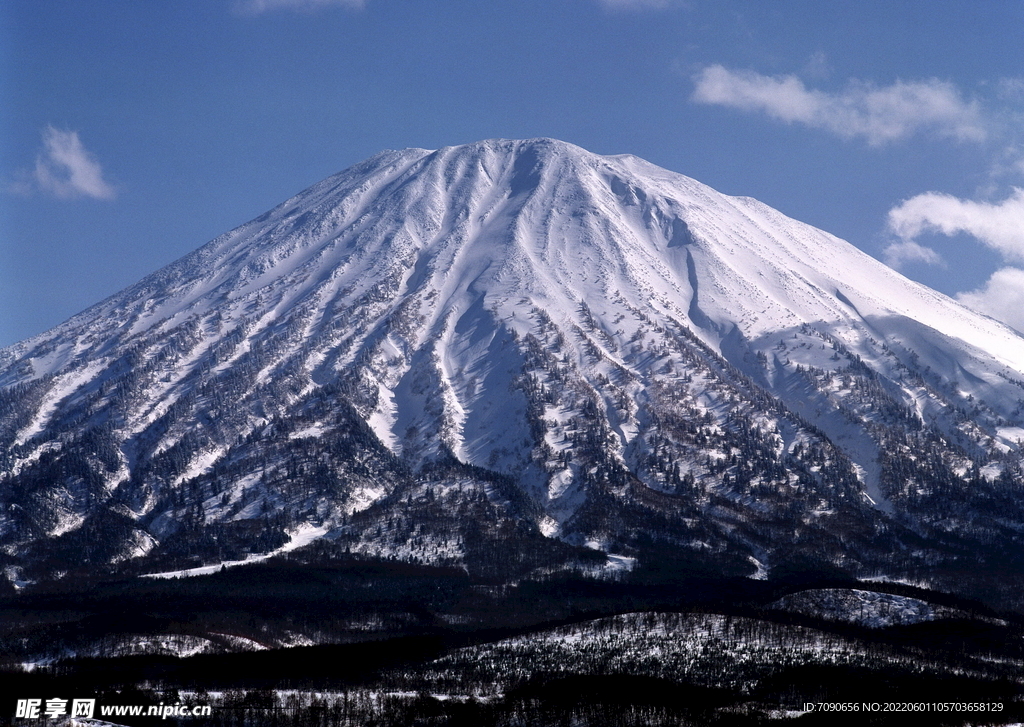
(518, 356)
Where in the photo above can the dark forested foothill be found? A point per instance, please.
(405, 644)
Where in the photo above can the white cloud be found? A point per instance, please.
(879, 115)
(1011, 89)
(1000, 225)
(817, 65)
(1007, 162)
(66, 169)
(257, 7)
(900, 253)
(1002, 297)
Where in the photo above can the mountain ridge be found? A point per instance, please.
(592, 337)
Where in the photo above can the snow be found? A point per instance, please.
(303, 535)
(764, 272)
(549, 527)
(761, 573)
(1011, 435)
(362, 497)
(66, 522)
(312, 431)
(75, 375)
(201, 464)
(620, 563)
(704, 648)
(865, 608)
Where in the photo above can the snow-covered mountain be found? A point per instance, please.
(519, 355)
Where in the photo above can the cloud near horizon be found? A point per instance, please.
(1002, 297)
(999, 225)
(65, 169)
(258, 7)
(878, 114)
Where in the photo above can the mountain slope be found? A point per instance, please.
(519, 343)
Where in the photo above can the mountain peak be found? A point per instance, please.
(541, 146)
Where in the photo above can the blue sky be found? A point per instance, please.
(133, 132)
